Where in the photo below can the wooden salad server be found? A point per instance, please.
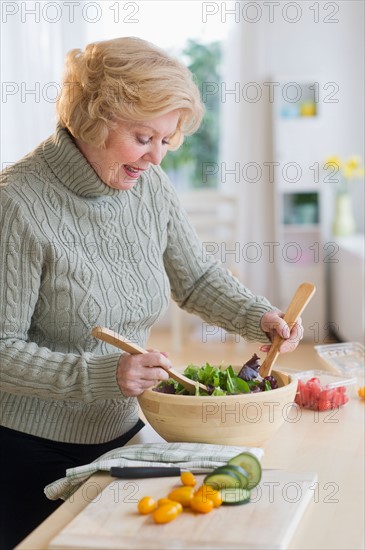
(119, 341)
(301, 297)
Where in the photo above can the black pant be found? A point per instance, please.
(28, 464)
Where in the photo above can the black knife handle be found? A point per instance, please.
(133, 472)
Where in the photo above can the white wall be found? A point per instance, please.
(33, 53)
(32, 57)
(256, 52)
(37, 35)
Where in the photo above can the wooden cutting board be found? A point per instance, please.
(267, 522)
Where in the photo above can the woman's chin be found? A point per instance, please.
(123, 184)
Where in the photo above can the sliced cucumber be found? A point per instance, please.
(251, 465)
(223, 478)
(241, 473)
(235, 496)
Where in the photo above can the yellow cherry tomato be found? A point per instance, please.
(167, 512)
(202, 505)
(162, 501)
(361, 392)
(187, 478)
(207, 492)
(182, 495)
(147, 505)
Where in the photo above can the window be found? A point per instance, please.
(195, 163)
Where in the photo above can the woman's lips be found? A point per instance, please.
(132, 172)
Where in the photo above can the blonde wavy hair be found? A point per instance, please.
(125, 79)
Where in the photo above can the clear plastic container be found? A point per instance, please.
(347, 358)
(344, 357)
(321, 391)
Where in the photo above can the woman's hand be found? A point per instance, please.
(272, 322)
(136, 373)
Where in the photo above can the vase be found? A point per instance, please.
(344, 222)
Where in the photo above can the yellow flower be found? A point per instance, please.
(352, 168)
(349, 169)
(335, 161)
(354, 161)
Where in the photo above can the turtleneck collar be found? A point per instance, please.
(71, 167)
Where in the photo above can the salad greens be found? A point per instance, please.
(221, 381)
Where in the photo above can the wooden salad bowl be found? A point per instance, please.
(244, 419)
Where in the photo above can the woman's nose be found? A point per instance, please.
(155, 154)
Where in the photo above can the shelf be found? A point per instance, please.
(299, 120)
(299, 196)
(301, 228)
(299, 99)
(300, 208)
(289, 188)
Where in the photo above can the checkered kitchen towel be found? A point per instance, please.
(195, 457)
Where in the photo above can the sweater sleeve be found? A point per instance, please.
(203, 286)
(25, 367)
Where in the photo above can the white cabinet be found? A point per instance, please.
(299, 149)
(347, 295)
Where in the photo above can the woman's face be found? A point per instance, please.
(130, 149)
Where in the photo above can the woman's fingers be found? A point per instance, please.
(136, 373)
(162, 352)
(296, 334)
(265, 348)
(273, 323)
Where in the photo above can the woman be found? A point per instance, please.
(93, 234)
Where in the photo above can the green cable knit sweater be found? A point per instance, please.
(76, 253)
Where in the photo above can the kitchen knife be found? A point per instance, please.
(133, 472)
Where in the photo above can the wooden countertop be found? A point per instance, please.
(329, 443)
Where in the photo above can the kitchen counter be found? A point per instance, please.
(330, 443)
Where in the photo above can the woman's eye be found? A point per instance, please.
(143, 141)
(146, 140)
